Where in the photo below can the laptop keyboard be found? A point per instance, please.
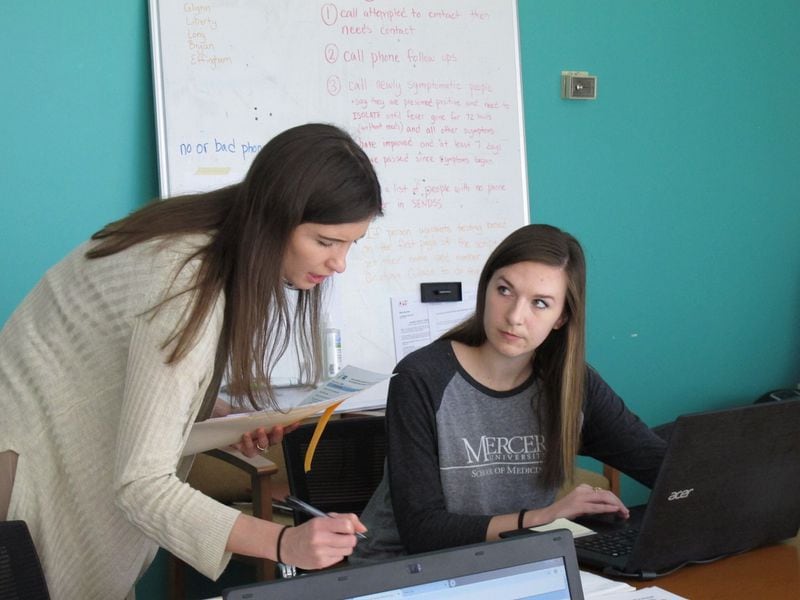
(613, 543)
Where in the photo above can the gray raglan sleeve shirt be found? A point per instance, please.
(436, 502)
(418, 499)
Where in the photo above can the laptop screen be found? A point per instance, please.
(540, 567)
(544, 580)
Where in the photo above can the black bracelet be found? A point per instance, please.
(280, 537)
(521, 518)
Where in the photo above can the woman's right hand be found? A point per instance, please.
(587, 500)
(321, 542)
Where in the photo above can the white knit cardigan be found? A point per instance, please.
(98, 420)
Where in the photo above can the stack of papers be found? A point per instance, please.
(595, 586)
(296, 405)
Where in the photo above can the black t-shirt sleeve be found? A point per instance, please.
(614, 435)
(418, 501)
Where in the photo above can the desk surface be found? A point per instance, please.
(771, 573)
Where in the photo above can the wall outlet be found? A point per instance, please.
(578, 85)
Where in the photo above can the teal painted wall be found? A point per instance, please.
(680, 179)
(77, 138)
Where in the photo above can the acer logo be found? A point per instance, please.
(680, 494)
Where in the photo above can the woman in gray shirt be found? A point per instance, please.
(485, 423)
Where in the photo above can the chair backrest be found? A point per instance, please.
(21, 575)
(347, 465)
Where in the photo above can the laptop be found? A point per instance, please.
(540, 567)
(730, 482)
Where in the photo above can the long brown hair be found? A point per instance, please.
(312, 173)
(560, 360)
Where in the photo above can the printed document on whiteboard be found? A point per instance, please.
(416, 324)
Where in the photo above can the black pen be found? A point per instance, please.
(297, 504)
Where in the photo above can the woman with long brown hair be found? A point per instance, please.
(485, 423)
(122, 345)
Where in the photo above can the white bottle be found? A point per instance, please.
(332, 346)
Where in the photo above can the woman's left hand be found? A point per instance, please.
(588, 500)
(256, 442)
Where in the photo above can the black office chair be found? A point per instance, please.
(347, 465)
(21, 575)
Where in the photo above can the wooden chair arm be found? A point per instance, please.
(258, 465)
(260, 469)
(613, 476)
(609, 479)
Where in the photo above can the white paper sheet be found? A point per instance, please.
(296, 404)
(576, 529)
(416, 324)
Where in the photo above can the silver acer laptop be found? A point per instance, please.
(536, 567)
(730, 482)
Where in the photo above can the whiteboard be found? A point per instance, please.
(429, 88)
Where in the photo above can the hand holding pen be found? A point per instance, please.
(317, 543)
(296, 504)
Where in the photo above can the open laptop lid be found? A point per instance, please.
(531, 566)
(730, 481)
